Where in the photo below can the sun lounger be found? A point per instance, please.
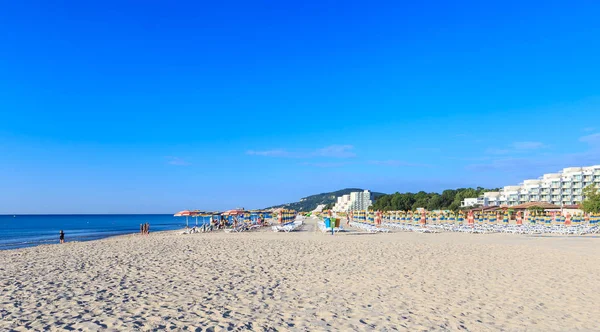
(239, 228)
(289, 227)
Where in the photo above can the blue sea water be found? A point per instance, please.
(30, 230)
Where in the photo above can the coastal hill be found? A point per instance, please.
(310, 203)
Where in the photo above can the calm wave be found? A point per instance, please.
(30, 230)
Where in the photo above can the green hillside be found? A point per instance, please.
(311, 202)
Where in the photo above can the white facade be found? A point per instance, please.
(563, 188)
(468, 202)
(354, 201)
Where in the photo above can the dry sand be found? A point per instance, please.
(305, 281)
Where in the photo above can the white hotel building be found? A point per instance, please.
(354, 201)
(564, 188)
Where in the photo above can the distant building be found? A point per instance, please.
(487, 199)
(468, 202)
(354, 201)
(563, 189)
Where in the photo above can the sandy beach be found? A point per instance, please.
(305, 281)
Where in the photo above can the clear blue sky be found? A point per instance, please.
(149, 106)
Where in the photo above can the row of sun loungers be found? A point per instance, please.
(410, 228)
(198, 229)
(289, 227)
(241, 228)
(208, 228)
(487, 229)
(368, 227)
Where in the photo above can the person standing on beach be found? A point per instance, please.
(62, 236)
(147, 228)
(141, 229)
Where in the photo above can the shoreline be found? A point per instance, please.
(126, 235)
(267, 229)
(33, 230)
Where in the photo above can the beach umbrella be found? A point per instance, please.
(234, 212)
(568, 219)
(184, 213)
(196, 214)
(471, 219)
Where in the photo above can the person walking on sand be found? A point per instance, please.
(62, 236)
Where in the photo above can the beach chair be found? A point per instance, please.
(289, 227)
(238, 229)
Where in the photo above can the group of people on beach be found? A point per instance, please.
(221, 222)
(145, 229)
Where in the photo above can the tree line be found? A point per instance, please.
(591, 204)
(449, 199)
